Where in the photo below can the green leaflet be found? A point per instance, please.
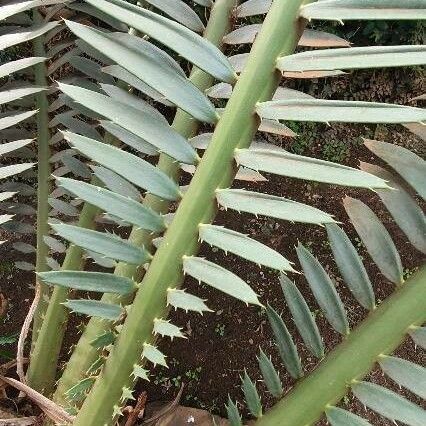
(7, 96)
(108, 245)
(129, 138)
(350, 266)
(233, 414)
(96, 13)
(302, 317)
(95, 308)
(144, 125)
(183, 41)
(243, 35)
(327, 111)
(89, 281)
(285, 344)
(144, 61)
(127, 98)
(90, 68)
(405, 373)
(19, 65)
(338, 417)
(301, 167)
(270, 375)
(243, 246)
(376, 238)
(105, 339)
(123, 207)
(324, 291)
(341, 10)
(13, 146)
(63, 207)
(315, 38)
(11, 120)
(116, 183)
(181, 12)
(165, 328)
(252, 8)
(14, 169)
(219, 278)
(140, 373)
(354, 58)
(418, 334)
(252, 396)
(22, 35)
(78, 391)
(409, 165)
(151, 353)
(19, 6)
(188, 302)
(54, 244)
(270, 205)
(402, 207)
(136, 170)
(126, 76)
(389, 404)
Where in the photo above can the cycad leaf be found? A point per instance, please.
(18, 6)
(341, 10)
(154, 355)
(301, 167)
(315, 38)
(144, 125)
(116, 183)
(376, 239)
(127, 165)
(91, 69)
(219, 278)
(418, 334)
(354, 58)
(233, 414)
(129, 138)
(126, 76)
(22, 35)
(63, 207)
(243, 246)
(405, 373)
(166, 328)
(54, 244)
(103, 340)
(409, 165)
(19, 65)
(389, 404)
(270, 375)
(269, 205)
(183, 41)
(350, 266)
(253, 7)
(140, 373)
(108, 245)
(243, 35)
(285, 344)
(402, 207)
(95, 308)
(181, 12)
(13, 146)
(339, 417)
(252, 396)
(302, 317)
(7, 96)
(123, 207)
(328, 111)
(186, 301)
(79, 390)
(14, 169)
(11, 120)
(324, 291)
(89, 281)
(142, 59)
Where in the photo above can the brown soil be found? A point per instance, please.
(224, 343)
